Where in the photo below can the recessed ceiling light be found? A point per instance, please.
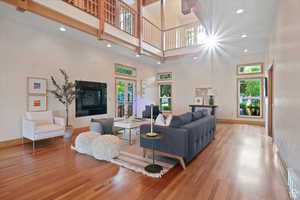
(244, 36)
(245, 50)
(137, 55)
(239, 11)
(63, 29)
(108, 45)
(195, 58)
(158, 62)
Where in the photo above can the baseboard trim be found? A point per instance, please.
(238, 121)
(18, 141)
(14, 142)
(283, 169)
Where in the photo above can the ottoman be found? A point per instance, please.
(106, 147)
(102, 147)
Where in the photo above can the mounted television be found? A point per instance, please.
(91, 98)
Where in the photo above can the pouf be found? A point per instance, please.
(106, 147)
(83, 142)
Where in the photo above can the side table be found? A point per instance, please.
(153, 168)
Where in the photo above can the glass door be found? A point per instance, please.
(125, 98)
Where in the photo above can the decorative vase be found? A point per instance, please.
(68, 131)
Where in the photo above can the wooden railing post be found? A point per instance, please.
(162, 15)
(101, 18)
(140, 33)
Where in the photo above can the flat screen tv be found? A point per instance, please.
(91, 98)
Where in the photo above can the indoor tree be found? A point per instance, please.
(65, 93)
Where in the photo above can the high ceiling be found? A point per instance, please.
(256, 22)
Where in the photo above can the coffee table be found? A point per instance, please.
(130, 124)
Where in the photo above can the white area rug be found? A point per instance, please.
(137, 163)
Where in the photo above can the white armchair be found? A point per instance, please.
(42, 125)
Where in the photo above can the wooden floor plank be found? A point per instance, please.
(238, 164)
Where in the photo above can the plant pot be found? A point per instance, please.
(68, 131)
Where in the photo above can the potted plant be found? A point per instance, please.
(65, 94)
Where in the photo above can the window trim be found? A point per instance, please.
(262, 99)
(159, 97)
(249, 64)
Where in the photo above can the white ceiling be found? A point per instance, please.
(256, 21)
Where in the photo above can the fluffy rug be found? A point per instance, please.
(137, 163)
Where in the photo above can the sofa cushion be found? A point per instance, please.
(180, 120)
(41, 118)
(48, 128)
(197, 115)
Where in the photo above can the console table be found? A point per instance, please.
(213, 108)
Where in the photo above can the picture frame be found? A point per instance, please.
(36, 86)
(37, 103)
(198, 101)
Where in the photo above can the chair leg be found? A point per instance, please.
(33, 145)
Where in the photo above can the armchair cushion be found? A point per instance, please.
(41, 118)
(48, 128)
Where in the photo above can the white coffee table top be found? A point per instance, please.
(131, 123)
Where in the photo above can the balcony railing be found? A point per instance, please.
(120, 15)
(184, 36)
(152, 34)
(89, 6)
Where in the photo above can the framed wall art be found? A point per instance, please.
(36, 86)
(37, 103)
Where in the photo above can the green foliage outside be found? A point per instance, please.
(250, 91)
(165, 76)
(165, 101)
(250, 69)
(250, 88)
(124, 70)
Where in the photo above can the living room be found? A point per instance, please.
(36, 43)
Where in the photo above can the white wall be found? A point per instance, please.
(284, 53)
(33, 46)
(219, 74)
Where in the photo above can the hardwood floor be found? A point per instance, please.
(239, 164)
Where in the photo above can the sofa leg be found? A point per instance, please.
(33, 145)
(182, 163)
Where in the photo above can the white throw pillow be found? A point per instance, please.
(168, 120)
(160, 120)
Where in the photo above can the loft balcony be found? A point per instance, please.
(121, 23)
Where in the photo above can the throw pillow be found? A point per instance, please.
(160, 120)
(168, 120)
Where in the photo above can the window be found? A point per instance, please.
(250, 97)
(165, 97)
(256, 68)
(126, 21)
(125, 70)
(189, 36)
(164, 76)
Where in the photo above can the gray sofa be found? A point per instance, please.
(187, 135)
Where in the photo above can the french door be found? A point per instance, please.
(125, 98)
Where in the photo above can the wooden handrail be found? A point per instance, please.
(182, 25)
(144, 18)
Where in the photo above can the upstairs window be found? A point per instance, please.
(126, 21)
(189, 36)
